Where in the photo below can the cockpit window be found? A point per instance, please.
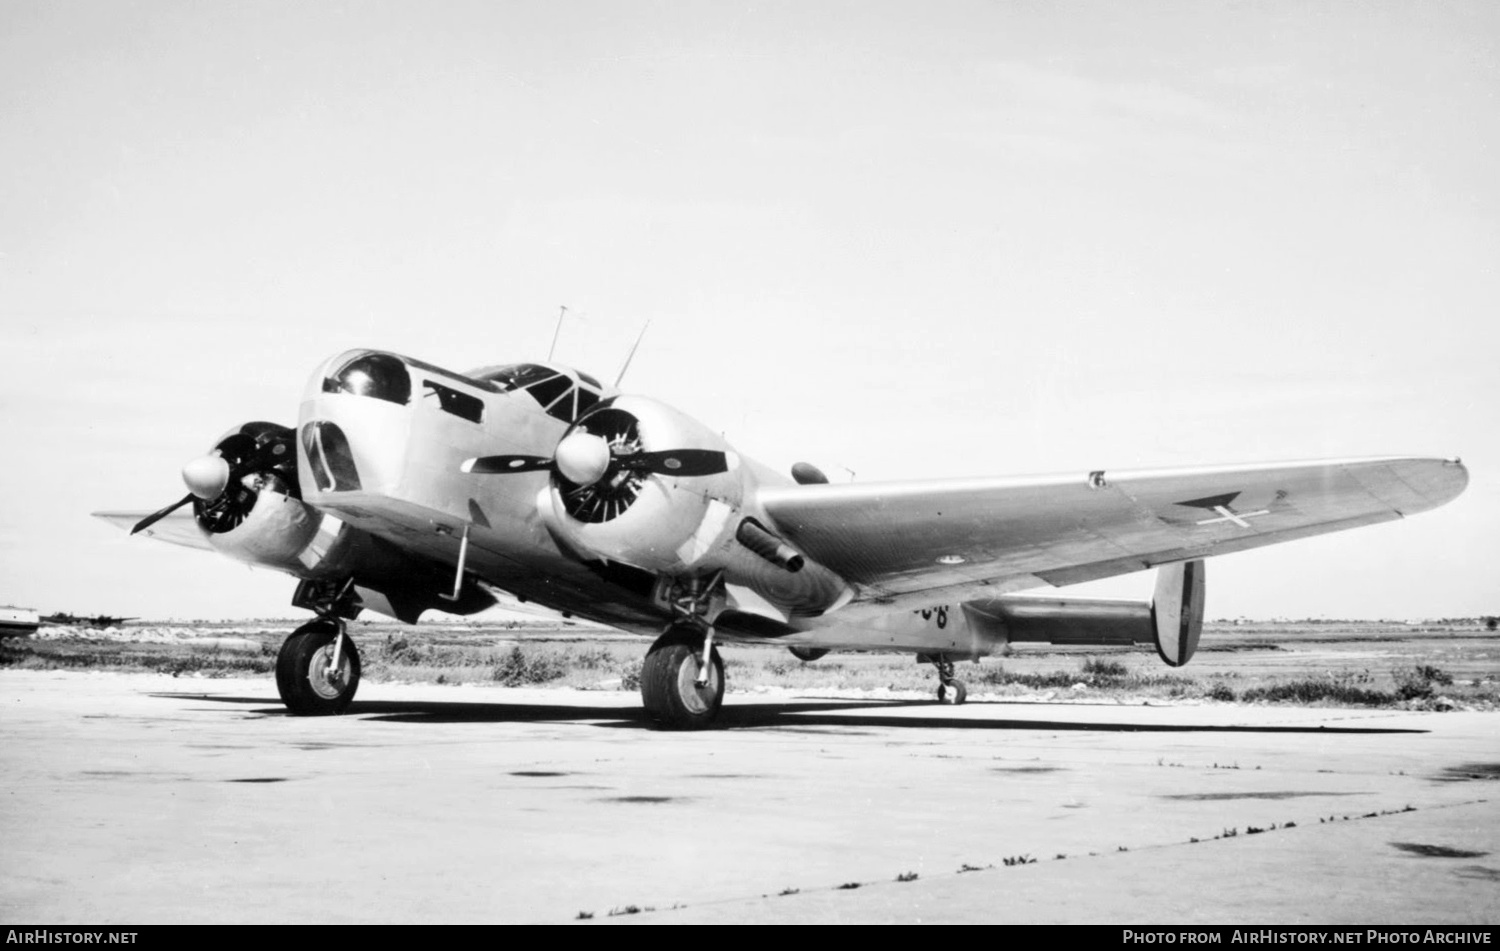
(516, 375)
(558, 392)
(378, 375)
(548, 391)
(586, 399)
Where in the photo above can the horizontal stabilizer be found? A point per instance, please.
(1172, 622)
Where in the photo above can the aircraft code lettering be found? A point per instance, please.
(941, 613)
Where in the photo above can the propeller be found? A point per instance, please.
(160, 514)
(216, 481)
(599, 466)
(584, 459)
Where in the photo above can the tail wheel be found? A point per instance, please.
(306, 677)
(669, 682)
(953, 692)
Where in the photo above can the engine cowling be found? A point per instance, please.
(656, 521)
(248, 501)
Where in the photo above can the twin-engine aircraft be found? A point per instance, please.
(406, 487)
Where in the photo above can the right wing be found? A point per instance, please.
(981, 537)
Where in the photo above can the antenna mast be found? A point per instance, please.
(561, 313)
(632, 354)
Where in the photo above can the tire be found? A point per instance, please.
(668, 683)
(301, 667)
(956, 693)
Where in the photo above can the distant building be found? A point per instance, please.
(17, 621)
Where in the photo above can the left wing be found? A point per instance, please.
(994, 535)
(179, 528)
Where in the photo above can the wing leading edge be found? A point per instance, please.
(896, 539)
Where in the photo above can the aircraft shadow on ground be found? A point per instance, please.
(838, 715)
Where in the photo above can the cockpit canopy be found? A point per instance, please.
(394, 379)
(565, 394)
(382, 376)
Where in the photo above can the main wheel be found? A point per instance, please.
(308, 684)
(669, 682)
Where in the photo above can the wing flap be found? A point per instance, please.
(897, 538)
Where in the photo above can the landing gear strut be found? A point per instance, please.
(682, 679)
(317, 670)
(950, 688)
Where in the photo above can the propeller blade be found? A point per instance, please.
(678, 462)
(155, 517)
(492, 465)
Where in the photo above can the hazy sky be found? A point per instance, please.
(908, 239)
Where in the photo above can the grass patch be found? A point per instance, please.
(1099, 674)
(1417, 682)
(1320, 690)
(207, 660)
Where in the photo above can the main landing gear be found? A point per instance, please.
(679, 690)
(317, 670)
(682, 679)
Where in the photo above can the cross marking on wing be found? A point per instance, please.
(1226, 514)
(1220, 504)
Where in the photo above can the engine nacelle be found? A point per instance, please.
(662, 523)
(249, 505)
(635, 511)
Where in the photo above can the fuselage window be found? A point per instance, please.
(452, 401)
(380, 376)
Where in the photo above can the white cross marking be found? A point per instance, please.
(1237, 518)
